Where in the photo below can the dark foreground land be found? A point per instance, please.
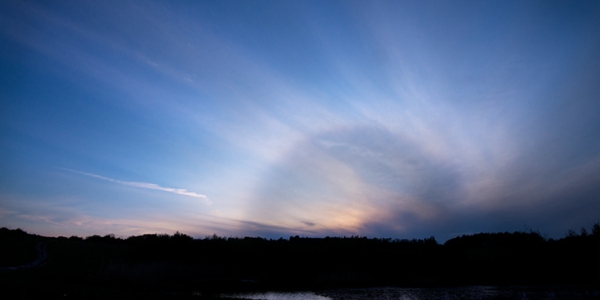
(178, 266)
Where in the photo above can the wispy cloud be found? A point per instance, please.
(147, 185)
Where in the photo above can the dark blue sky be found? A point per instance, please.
(277, 118)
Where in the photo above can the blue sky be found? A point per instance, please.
(275, 118)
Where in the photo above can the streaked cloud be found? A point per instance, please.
(146, 185)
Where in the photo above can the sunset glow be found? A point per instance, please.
(312, 118)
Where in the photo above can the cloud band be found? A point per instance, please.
(147, 185)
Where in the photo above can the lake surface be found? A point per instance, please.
(466, 293)
(279, 296)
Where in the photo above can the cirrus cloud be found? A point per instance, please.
(147, 185)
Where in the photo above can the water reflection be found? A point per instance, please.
(279, 296)
(470, 293)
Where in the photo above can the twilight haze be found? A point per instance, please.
(399, 119)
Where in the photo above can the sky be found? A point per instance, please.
(401, 119)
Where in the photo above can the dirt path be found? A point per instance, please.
(42, 252)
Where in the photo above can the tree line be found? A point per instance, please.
(214, 262)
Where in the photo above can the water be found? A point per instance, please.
(457, 293)
(279, 296)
